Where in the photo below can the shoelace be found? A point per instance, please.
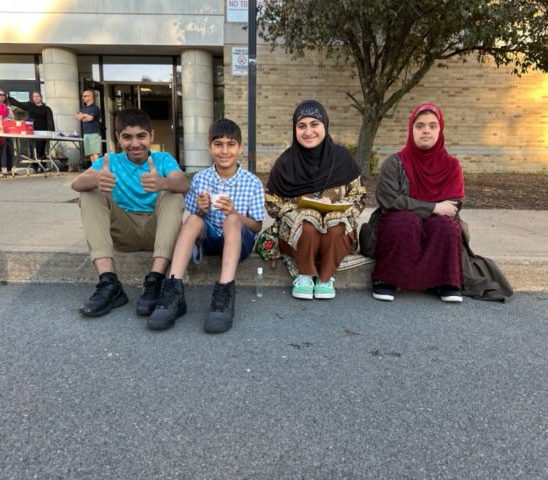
(302, 281)
(169, 293)
(102, 290)
(151, 287)
(327, 283)
(219, 299)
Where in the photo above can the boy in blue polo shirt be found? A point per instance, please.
(130, 201)
(226, 203)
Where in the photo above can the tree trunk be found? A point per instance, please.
(368, 130)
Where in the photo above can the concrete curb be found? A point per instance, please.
(525, 274)
(42, 240)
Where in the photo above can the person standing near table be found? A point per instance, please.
(6, 145)
(90, 116)
(41, 115)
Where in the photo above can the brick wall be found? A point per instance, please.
(495, 121)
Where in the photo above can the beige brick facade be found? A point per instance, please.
(495, 121)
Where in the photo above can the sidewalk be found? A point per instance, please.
(41, 240)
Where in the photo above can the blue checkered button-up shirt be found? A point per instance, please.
(244, 189)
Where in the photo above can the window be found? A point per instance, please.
(137, 69)
(17, 67)
(88, 67)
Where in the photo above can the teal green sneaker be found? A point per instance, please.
(303, 287)
(324, 289)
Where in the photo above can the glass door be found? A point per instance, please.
(155, 99)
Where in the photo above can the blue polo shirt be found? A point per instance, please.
(128, 192)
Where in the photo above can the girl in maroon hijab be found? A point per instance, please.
(419, 236)
(416, 235)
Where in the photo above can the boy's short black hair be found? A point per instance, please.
(132, 117)
(225, 128)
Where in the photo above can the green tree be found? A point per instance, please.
(391, 44)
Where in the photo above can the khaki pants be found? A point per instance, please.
(108, 227)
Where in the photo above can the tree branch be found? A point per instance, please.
(356, 104)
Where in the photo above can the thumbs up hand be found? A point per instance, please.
(107, 180)
(106, 163)
(152, 181)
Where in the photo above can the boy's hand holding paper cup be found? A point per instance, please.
(221, 201)
(215, 197)
(204, 201)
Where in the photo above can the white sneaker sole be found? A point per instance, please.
(384, 297)
(303, 296)
(324, 295)
(452, 299)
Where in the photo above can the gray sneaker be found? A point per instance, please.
(171, 305)
(220, 316)
(197, 253)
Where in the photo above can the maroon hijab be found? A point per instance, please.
(433, 174)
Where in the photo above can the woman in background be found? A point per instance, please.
(41, 115)
(6, 145)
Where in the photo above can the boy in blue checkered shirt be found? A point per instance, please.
(226, 206)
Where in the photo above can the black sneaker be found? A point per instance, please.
(109, 294)
(151, 293)
(220, 316)
(383, 291)
(449, 293)
(171, 305)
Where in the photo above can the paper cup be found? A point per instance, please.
(215, 198)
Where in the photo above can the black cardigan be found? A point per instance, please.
(41, 114)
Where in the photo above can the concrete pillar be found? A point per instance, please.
(197, 83)
(60, 72)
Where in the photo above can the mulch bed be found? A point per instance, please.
(514, 191)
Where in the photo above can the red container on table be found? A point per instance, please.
(9, 125)
(29, 127)
(20, 127)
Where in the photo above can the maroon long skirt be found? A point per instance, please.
(415, 254)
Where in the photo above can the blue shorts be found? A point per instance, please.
(213, 242)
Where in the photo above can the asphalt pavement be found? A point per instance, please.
(310, 390)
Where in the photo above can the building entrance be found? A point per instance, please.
(155, 99)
